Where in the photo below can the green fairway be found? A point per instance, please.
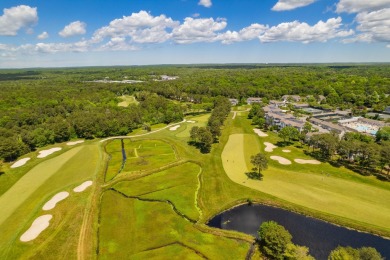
(130, 227)
(25, 199)
(127, 100)
(311, 186)
(177, 185)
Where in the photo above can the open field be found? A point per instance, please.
(317, 187)
(123, 216)
(127, 100)
(141, 155)
(177, 185)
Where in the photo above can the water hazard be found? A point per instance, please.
(321, 237)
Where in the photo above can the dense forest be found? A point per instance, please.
(44, 106)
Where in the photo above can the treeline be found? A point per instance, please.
(204, 137)
(34, 115)
(356, 150)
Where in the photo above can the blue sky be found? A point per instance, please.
(40, 33)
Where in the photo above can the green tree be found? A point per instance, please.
(194, 133)
(205, 139)
(260, 162)
(296, 252)
(349, 253)
(383, 134)
(273, 239)
(289, 133)
(385, 156)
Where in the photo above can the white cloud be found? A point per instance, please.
(285, 5)
(17, 17)
(205, 3)
(136, 26)
(198, 30)
(195, 15)
(246, 34)
(375, 26)
(72, 29)
(302, 32)
(356, 6)
(43, 36)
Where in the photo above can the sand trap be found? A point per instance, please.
(75, 142)
(281, 160)
(191, 121)
(19, 163)
(44, 153)
(269, 147)
(39, 224)
(234, 114)
(174, 128)
(56, 198)
(301, 161)
(286, 151)
(83, 186)
(259, 132)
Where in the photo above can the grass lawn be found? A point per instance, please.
(127, 100)
(334, 191)
(141, 155)
(177, 184)
(22, 203)
(130, 227)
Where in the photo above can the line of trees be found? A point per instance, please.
(204, 137)
(354, 149)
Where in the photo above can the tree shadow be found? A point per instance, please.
(254, 175)
(283, 144)
(1, 173)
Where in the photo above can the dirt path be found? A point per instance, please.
(234, 114)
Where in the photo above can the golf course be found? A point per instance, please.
(150, 194)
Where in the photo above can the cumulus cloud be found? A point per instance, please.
(17, 17)
(246, 34)
(141, 27)
(285, 5)
(198, 30)
(356, 6)
(43, 36)
(303, 32)
(205, 3)
(72, 29)
(375, 26)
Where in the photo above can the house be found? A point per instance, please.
(165, 77)
(252, 100)
(282, 120)
(327, 125)
(233, 101)
(277, 103)
(300, 106)
(294, 98)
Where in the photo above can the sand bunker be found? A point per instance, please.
(191, 121)
(286, 151)
(259, 132)
(44, 153)
(19, 163)
(269, 147)
(301, 161)
(56, 198)
(281, 160)
(174, 128)
(83, 186)
(75, 142)
(234, 115)
(39, 224)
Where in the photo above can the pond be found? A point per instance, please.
(321, 237)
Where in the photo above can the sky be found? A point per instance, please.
(59, 33)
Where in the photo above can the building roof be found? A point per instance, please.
(326, 124)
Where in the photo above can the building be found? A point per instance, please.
(165, 77)
(387, 110)
(294, 98)
(327, 125)
(233, 101)
(252, 100)
(282, 120)
(300, 106)
(277, 103)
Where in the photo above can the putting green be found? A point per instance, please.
(127, 100)
(357, 201)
